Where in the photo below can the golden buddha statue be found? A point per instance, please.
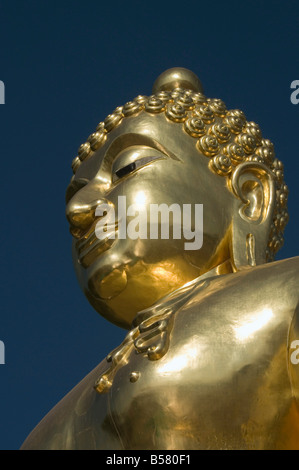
(210, 359)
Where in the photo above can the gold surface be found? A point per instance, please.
(206, 363)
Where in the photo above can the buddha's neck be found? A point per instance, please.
(181, 294)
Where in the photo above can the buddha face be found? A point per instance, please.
(148, 160)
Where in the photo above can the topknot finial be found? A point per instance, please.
(177, 77)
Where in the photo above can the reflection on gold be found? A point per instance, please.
(186, 358)
(255, 323)
(140, 200)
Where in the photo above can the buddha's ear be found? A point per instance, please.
(254, 186)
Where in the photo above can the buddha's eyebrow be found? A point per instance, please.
(128, 140)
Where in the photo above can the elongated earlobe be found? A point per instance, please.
(253, 185)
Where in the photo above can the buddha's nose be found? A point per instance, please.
(80, 211)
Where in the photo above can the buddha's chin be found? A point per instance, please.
(122, 307)
(109, 285)
(106, 277)
(119, 294)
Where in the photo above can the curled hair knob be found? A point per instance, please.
(177, 77)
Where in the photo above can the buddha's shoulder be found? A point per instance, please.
(286, 269)
(227, 299)
(268, 273)
(263, 283)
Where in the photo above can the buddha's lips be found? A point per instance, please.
(89, 246)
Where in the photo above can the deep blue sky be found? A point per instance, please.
(66, 65)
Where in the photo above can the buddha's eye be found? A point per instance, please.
(122, 171)
(126, 170)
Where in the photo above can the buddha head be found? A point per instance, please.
(209, 168)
